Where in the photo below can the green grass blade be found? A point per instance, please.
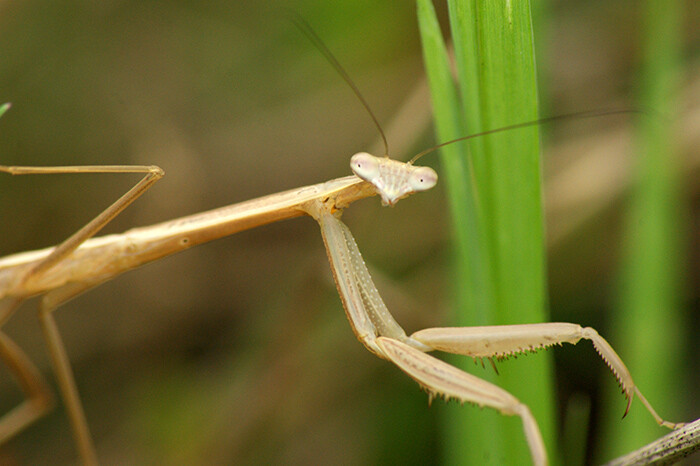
(4, 108)
(469, 265)
(455, 162)
(499, 219)
(647, 327)
(509, 171)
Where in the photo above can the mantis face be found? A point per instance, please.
(394, 180)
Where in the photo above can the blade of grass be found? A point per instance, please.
(647, 326)
(509, 185)
(469, 265)
(496, 208)
(4, 108)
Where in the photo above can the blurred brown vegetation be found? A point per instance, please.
(238, 351)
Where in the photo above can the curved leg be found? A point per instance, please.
(153, 174)
(505, 340)
(38, 396)
(440, 378)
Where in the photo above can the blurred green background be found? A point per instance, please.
(238, 352)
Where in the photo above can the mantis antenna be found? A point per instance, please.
(569, 116)
(309, 32)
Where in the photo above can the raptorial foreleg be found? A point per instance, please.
(440, 378)
(505, 340)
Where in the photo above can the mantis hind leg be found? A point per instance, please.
(62, 367)
(38, 398)
(10, 353)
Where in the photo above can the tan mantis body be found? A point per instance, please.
(82, 262)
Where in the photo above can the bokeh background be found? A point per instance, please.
(238, 352)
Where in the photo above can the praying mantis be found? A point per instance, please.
(84, 261)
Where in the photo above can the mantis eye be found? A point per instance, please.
(365, 166)
(422, 178)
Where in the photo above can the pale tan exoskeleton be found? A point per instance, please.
(83, 262)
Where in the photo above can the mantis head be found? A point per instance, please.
(393, 180)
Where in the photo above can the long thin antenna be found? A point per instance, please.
(569, 116)
(308, 31)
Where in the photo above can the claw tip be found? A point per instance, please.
(627, 409)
